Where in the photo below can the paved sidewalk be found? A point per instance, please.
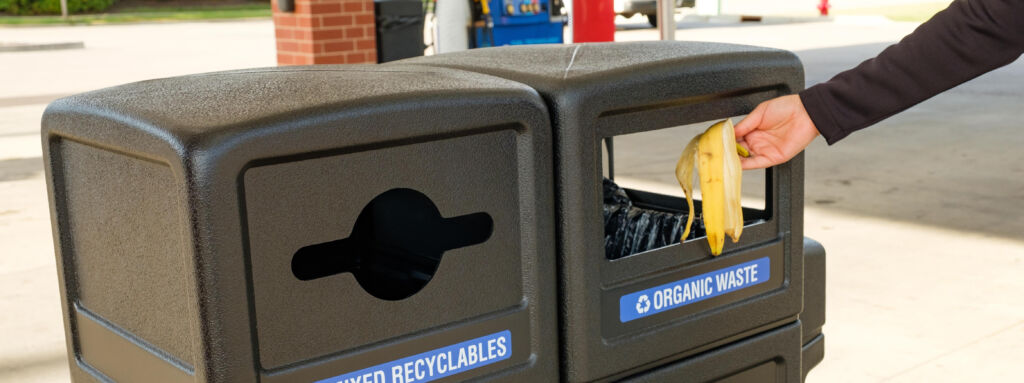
(31, 332)
(920, 215)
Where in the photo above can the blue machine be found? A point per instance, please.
(514, 22)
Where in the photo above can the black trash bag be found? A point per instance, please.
(630, 230)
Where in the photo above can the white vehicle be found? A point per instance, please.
(649, 8)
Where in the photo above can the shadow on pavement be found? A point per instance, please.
(952, 162)
(20, 169)
(13, 370)
(638, 22)
(31, 100)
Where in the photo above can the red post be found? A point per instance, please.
(326, 32)
(592, 21)
(823, 7)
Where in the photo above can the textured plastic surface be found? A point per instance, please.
(179, 206)
(770, 357)
(813, 353)
(813, 316)
(596, 91)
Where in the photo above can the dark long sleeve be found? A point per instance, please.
(958, 44)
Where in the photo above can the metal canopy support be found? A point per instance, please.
(667, 19)
(452, 22)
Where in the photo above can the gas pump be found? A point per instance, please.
(515, 22)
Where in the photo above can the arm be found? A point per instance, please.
(960, 43)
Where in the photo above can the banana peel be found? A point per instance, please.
(716, 154)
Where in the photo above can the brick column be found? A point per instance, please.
(326, 32)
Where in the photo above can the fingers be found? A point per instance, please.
(751, 122)
(756, 162)
(774, 132)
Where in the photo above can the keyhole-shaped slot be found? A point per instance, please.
(395, 246)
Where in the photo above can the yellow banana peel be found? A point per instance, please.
(743, 152)
(717, 157)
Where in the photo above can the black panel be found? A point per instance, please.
(813, 315)
(771, 357)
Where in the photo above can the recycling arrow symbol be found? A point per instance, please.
(643, 304)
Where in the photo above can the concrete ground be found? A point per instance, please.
(920, 215)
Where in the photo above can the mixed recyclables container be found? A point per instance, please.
(197, 218)
(437, 218)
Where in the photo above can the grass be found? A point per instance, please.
(902, 12)
(148, 14)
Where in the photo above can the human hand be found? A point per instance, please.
(775, 131)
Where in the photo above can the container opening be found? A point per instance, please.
(643, 207)
(395, 246)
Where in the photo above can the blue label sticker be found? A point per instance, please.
(435, 364)
(694, 289)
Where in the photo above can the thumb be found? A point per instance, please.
(751, 122)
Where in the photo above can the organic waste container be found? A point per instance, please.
(660, 307)
(309, 224)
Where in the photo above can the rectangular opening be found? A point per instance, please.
(644, 207)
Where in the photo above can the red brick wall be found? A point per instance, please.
(326, 32)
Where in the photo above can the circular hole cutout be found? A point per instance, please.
(395, 246)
